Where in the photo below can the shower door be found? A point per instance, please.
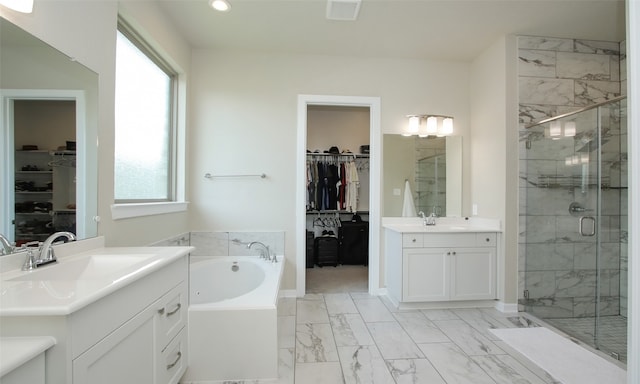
(574, 189)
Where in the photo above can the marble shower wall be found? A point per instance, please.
(556, 264)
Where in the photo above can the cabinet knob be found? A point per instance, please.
(413, 240)
(488, 240)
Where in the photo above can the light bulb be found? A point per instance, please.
(432, 125)
(447, 126)
(569, 129)
(414, 124)
(555, 129)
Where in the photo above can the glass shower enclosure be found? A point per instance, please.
(573, 217)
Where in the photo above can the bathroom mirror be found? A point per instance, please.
(433, 167)
(35, 75)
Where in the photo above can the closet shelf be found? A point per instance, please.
(314, 212)
(350, 155)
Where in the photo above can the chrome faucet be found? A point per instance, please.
(7, 247)
(46, 252)
(264, 252)
(428, 220)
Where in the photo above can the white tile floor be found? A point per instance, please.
(350, 338)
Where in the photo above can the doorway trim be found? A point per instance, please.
(83, 190)
(375, 161)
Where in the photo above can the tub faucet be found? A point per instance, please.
(46, 252)
(264, 252)
(6, 248)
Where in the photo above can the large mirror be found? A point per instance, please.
(48, 136)
(433, 168)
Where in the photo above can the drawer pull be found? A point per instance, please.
(174, 311)
(169, 366)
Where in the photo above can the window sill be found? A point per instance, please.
(125, 211)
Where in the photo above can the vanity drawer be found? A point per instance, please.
(450, 240)
(487, 239)
(412, 240)
(172, 313)
(173, 360)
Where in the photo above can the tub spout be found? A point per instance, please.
(264, 252)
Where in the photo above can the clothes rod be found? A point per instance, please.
(210, 176)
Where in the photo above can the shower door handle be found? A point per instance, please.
(587, 226)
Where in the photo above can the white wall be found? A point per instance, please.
(86, 30)
(243, 114)
(494, 153)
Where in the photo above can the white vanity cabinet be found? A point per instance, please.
(136, 334)
(428, 267)
(149, 348)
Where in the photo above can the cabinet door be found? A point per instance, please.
(425, 274)
(473, 275)
(126, 356)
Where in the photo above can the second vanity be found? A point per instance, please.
(450, 264)
(118, 315)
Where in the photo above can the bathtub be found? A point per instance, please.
(232, 325)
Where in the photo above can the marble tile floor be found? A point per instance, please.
(351, 338)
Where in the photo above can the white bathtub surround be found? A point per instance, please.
(234, 243)
(233, 318)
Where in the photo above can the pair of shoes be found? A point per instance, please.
(328, 233)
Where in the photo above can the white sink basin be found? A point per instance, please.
(86, 268)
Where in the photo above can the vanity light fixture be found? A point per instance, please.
(429, 125)
(220, 5)
(557, 130)
(24, 6)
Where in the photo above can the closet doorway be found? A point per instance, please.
(337, 241)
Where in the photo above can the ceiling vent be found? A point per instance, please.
(344, 10)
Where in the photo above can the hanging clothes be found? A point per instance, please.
(332, 183)
(353, 183)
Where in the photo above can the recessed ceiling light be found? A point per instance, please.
(220, 5)
(24, 6)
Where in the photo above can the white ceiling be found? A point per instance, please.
(446, 30)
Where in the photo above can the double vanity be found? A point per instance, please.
(450, 264)
(103, 315)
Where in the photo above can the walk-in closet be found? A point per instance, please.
(44, 198)
(337, 198)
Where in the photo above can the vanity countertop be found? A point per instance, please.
(79, 279)
(443, 225)
(15, 351)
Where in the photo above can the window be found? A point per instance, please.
(144, 122)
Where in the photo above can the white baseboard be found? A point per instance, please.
(287, 293)
(507, 307)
